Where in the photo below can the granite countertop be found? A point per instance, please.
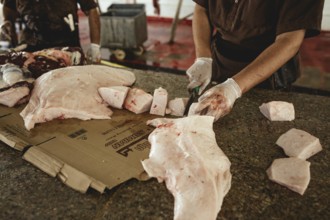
(245, 136)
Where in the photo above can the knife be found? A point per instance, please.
(193, 98)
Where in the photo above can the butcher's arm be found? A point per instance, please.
(270, 60)
(94, 25)
(201, 32)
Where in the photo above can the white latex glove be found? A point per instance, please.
(11, 74)
(94, 53)
(200, 73)
(219, 100)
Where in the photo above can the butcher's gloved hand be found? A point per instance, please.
(200, 73)
(219, 100)
(11, 73)
(94, 53)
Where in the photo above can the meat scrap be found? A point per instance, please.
(299, 143)
(177, 106)
(15, 94)
(138, 101)
(292, 172)
(72, 92)
(184, 153)
(114, 95)
(278, 111)
(159, 103)
(40, 62)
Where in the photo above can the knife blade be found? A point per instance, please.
(193, 98)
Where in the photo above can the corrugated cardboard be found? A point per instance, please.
(97, 153)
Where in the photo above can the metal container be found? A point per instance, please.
(124, 26)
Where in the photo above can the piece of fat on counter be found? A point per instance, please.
(12, 95)
(299, 143)
(159, 103)
(184, 153)
(138, 101)
(114, 95)
(294, 173)
(177, 106)
(278, 111)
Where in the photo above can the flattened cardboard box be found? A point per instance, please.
(96, 153)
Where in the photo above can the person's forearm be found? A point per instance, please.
(270, 60)
(201, 32)
(94, 25)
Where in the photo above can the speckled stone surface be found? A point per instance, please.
(246, 137)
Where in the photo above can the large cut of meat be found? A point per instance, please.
(72, 92)
(184, 153)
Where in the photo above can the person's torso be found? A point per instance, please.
(45, 23)
(245, 25)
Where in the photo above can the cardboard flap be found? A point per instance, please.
(43, 161)
(97, 153)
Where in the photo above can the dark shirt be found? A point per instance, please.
(244, 28)
(44, 24)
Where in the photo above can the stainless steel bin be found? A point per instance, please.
(124, 26)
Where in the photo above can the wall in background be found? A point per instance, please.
(326, 16)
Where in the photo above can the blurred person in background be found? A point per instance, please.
(47, 24)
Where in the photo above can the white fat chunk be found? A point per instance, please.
(299, 143)
(138, 101)
(12, 96)
(114, 95)
(177, 106)
(292, 172)
(278, 111)
(159, 103)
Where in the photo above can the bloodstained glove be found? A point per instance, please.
(94, 53)
(200, 73)
(219, 100)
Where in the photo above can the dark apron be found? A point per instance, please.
(224, 67)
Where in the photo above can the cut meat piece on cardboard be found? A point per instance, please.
(72, 92)
(299, 143)
(278, 111)
(177, 106)
(184, 153)
(292, 172)
(138, 101)
(114, 95)
(15, 94)
(159, 103)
